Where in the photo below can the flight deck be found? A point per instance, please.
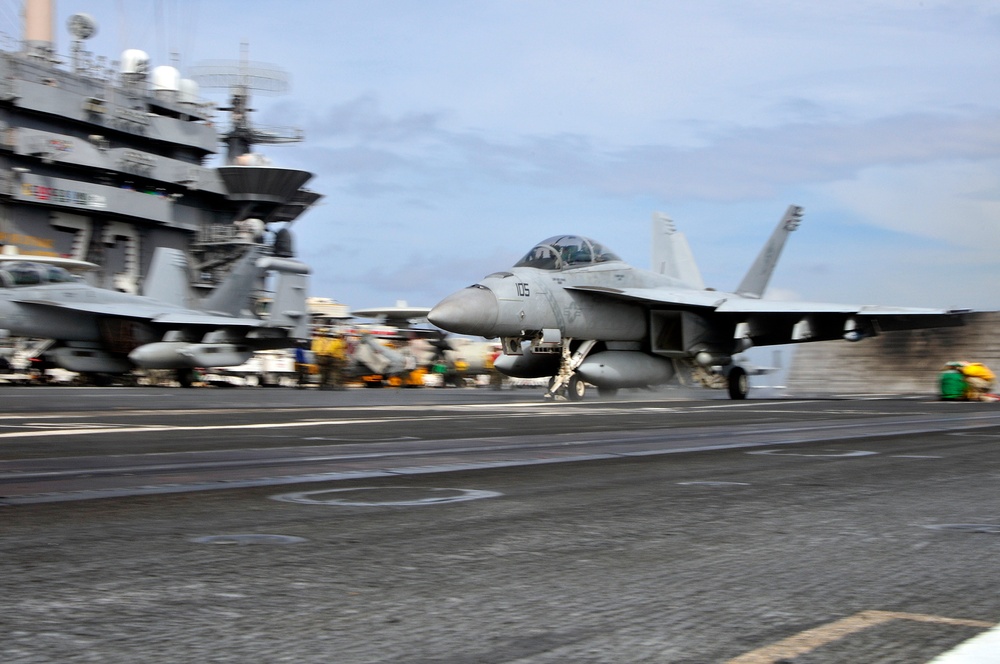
(467, 525)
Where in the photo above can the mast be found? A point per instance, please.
(38, 40)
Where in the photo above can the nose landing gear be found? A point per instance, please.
(566, 384)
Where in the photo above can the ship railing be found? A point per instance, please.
(10, 181)
(222, 234)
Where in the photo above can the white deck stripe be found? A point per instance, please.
(981, 649)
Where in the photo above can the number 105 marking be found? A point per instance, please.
(522, 289)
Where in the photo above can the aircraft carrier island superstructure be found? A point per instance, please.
(105, 162)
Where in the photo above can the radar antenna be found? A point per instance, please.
(240, 77)
(82, 27)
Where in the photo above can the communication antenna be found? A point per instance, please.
(240, 77)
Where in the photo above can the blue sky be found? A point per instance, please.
(448, 137)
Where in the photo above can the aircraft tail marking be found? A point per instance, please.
(755, 282)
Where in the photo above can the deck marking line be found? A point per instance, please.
(809, 640)
(981, 649)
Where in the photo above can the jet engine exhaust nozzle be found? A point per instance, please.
(472, 311)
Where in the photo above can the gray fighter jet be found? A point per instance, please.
(573, 310)
(101, 331)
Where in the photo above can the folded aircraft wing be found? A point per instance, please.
(164, 315)
(206, 320)
(122, 310)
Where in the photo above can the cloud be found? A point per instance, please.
(419, 278)
(954, 201)
(361, 119)
(414, 151)
(758, 163)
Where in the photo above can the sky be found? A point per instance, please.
(448, 137)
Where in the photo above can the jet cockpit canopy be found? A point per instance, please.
(561, 251)
(26, 273)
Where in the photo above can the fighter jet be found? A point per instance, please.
(401, 316)
(10, 253)
(101, 331)
(573, 310)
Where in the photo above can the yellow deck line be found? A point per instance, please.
(809, 640)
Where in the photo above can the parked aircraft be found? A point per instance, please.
(573, 310)
(10, 253)
(401, 316)
(398, 351)
(100, 331)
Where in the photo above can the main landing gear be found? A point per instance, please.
(738, 383)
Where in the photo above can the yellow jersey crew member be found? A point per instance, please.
(330, 352)
(978, 381)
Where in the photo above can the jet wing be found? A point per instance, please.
(156, 315)
(741, 305)
(725, 303)
(195, 318)
(771, 322)
(100, 308)
(675, 296)
(816, 321)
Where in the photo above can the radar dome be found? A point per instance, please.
(135, 63)
(166, 78)
(188, 91)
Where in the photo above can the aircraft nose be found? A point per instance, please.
(473, 310)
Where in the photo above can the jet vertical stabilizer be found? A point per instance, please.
(167, 279)
(672, 255)
(234, 296)
(289, 310)
(755, 282)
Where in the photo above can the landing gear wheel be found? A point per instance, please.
(739, 383)
(185, 377)
(575, 388)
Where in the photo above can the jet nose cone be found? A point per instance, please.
(473, 310)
